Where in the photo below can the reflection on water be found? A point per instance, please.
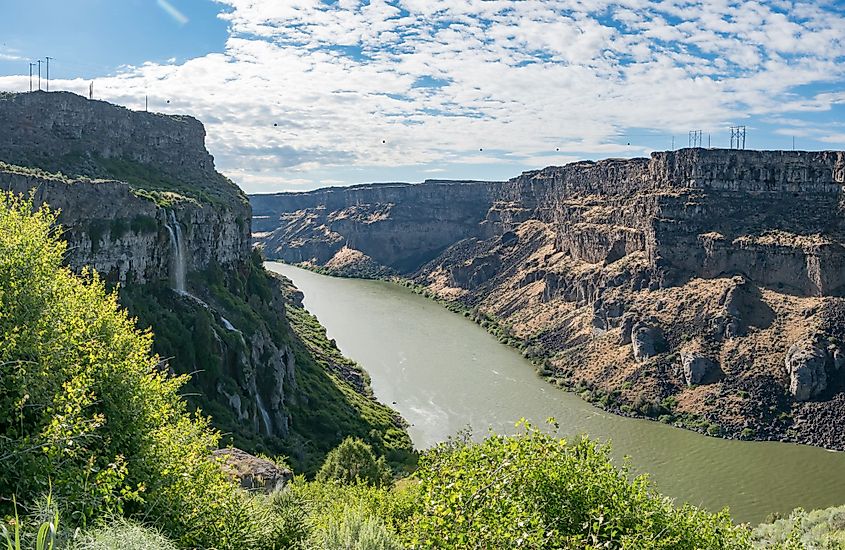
(445, 373)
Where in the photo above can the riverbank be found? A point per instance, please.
(442, 373)
(662, 411)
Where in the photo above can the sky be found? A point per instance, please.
(300, 94)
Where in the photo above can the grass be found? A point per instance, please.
(342, 409)
(146, 181)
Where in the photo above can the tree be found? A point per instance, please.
(353, 461)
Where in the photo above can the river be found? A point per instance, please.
(443, 372)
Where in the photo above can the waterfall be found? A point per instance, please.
(268, 424)
(177, 242)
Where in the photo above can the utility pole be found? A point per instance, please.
(91, 90)
(48, 73)
(39, 75)
(793, 143)
(146, 103)
(31, 65)
(673, 143)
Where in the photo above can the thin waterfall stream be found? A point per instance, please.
(178, 270)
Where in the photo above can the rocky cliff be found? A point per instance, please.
(702, 287)
(142, 204)
(402, 225)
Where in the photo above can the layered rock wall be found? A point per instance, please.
(680, 284)
(126, 238)
(60, 130)
(400, 226)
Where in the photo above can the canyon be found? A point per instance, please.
(700, 287)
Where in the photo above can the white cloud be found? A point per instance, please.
(305, 88)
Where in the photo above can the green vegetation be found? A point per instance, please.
(343, 411)
(163, 188)
(536, 491)
(148, 182)
(195, 343)
(818, 530)
(33, 172)
(87, 414)
(353, 462)
(121, 534)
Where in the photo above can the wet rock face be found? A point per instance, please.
(807, 366)
(106, 221)
(126, 238)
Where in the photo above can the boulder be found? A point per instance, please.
(806, 364)
(698, 369)
(644, 341)
(838, 357)
(253, 473)
(509, 238)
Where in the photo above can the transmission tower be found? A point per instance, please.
(695, 138)
(737, 137)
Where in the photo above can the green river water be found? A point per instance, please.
(443, 372)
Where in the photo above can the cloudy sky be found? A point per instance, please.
(298, 94)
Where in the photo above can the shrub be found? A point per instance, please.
(819, 529)
(120, 534)
(353, 461)
(355, 530)
(536, 491)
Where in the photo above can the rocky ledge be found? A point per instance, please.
(700, 287)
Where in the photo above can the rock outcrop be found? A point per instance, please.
(698, 369)
(644, 342)
(253, 473)
(616, 268)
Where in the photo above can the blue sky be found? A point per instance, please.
(299, 94)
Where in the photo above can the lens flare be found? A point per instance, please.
(171, 10)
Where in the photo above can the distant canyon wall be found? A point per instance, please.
(693, 213)
(700, 286)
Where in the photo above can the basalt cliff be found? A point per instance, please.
(700, 287)
(142, 204)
